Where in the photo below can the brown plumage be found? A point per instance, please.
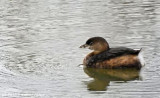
(105, 57)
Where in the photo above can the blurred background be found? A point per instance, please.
(39, 48)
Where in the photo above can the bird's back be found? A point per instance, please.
(115, 58)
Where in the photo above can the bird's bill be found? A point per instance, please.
(84, 46)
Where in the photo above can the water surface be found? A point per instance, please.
(39, 52)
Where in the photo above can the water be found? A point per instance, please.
(39, 54)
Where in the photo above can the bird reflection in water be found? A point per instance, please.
(102, 77)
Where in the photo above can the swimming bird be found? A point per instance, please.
(105, 57)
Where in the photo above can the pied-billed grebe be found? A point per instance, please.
(105, 57)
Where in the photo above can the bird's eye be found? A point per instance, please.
(91, 43)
